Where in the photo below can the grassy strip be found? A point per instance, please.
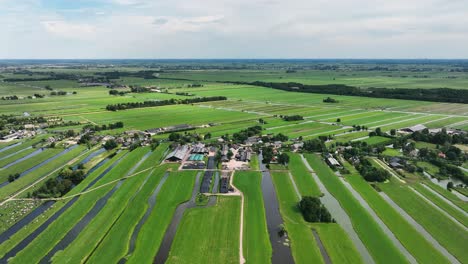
(414, 242)
(257, 248)
(38, 248)
(115, 244)
(26, 143)
(339, 246)
(21, 234)
(177, 189)
(29, 163)
(448, 234)
(441, 204)
(40, 172)
(15, 157)
(306, 185)
(303, 245)
(91, 236)
(450, 196)
(208, 235)
(254, 163)
(379, 245)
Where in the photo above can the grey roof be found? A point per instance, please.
(179, 153)
(417, 128)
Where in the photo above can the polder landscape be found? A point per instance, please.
(233, 161)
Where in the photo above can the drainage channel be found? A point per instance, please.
(151, 203)
(169, 235)
(419, 228)
(42, 163)
(15, 153)
(26, 241)
(340, 215)
(281, 252)
(379, 222)
(323, 251)
(445, 200)
(30, 155)
(89, 157)
(76, 230)
(10, 147)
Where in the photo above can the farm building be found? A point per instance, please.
(178, 154)
(416, 128)
(199, 148)
(244, 154)
(396, 163)
(333, 162)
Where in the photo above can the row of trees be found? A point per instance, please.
(110, 126)
(314, 211)
(371, 173)
(124, 106)
(435, 95)
(293, 118)
(59, 186)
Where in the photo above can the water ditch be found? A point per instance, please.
(76, 230)
(340, 215)
(89, 157)
(149, 210)
(443, 184)
(15, 153)
(379, 222)
(420, 229)
(42, 163)
(446, 200)
(169, 235)
(281, 252)
(323, 251)
(442, 211)
(26, 241)
(30, 155)
(10, 147)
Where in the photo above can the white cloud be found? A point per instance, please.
(242, 28)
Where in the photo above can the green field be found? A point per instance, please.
(379, 246)
(255, 230)
(208, 235)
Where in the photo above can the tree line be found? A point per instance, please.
(130, 105)
(434, 95)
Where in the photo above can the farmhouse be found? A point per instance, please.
(396, 163)
(416, 128)
(178, 154)
(333, 162)
(199, 148)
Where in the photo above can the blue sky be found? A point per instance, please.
(233, 29)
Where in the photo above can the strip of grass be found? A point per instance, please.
(26, 143)
(40, 172)
(447, 233)
(257, 247)
(21, 234)
(339, 246)
(39, 247)
(29, 163)
(379, 245)
(441, 204)
(115, 244)
(450, 196)
(208, 235)
(411, 239)
(303, 245)
(306, 185)
(254, 163)
(177, 189)
(91, 236)
(15, 157)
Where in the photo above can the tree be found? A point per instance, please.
(110, 144)
(207, 136)
(449, 185)
(338, 120)
(393, 132)
(283, 158)
(313, 211)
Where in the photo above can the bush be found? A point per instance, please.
(313, 210)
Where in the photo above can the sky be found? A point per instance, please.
(100, 29)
